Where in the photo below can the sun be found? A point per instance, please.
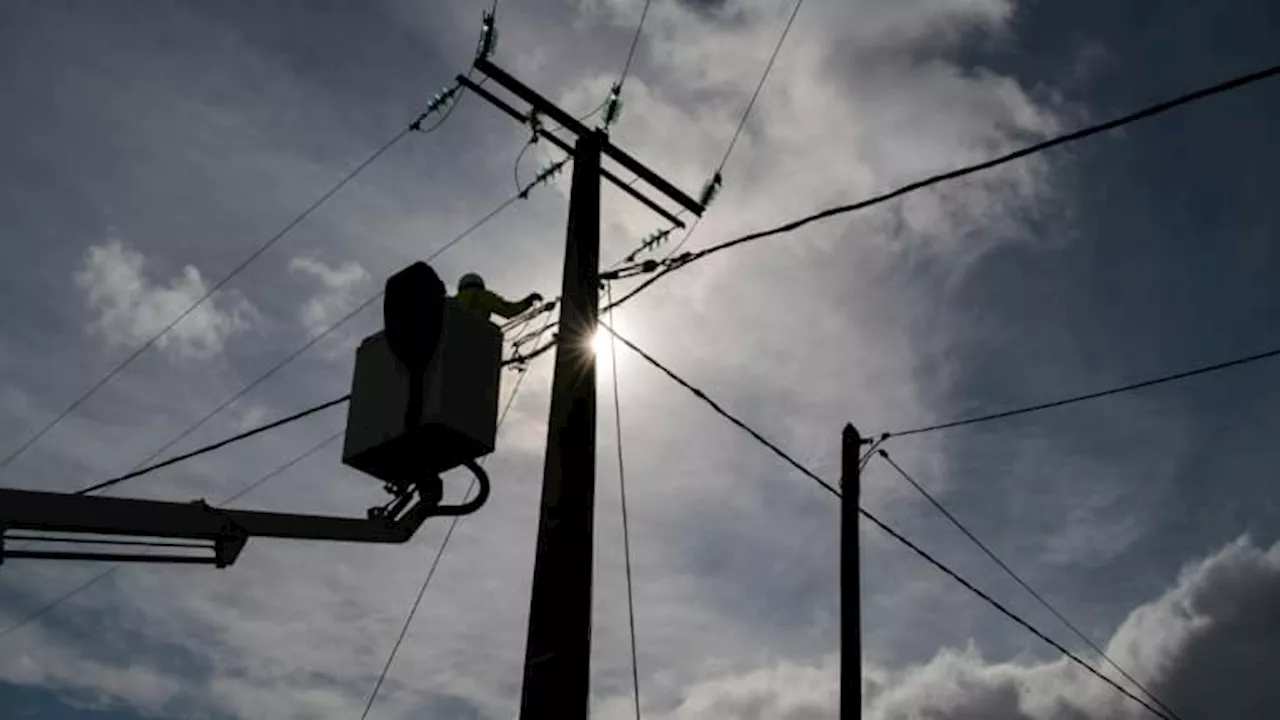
(600, 343)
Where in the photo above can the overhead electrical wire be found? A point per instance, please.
(724, 413)
(1009, 613)
(214, 446)
(622, 493)
(1205, 369)
(671, 264)
(764, 77)
(435, 562)
(1025, 586)
(893, 533)
(59, 600)
(635, 42)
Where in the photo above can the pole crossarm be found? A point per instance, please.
(623, 185)
(545, 107)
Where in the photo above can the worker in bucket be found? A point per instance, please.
(475, 298)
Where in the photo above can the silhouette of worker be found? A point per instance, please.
(475, 298)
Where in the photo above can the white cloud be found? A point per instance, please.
(131, 308)
(341, 289)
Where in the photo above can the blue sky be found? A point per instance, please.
(145, 149)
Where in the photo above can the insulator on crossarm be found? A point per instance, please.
(613, 106)
(710, 190)
(488, 36)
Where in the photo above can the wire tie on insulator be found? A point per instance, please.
(710, 190)
(613, 106)
(649, 266)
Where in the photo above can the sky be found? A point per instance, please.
(147, 148)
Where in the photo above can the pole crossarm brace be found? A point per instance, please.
(548, 109)
(225, 531)
(551, 137)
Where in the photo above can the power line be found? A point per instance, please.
(893, 533)
(1091, 396)
(759, 86)
(631, 53)
(214, 446)
(674, 263)
(43, 609)
(1025, 586)
(1009, 613)
(59, 600)
(723, 413)
(622, 492)
(435, 562)
(262, 248)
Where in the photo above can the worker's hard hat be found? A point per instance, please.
(470, 280)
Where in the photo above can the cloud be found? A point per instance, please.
(1206, 647)
(341, 288)
(131, 308)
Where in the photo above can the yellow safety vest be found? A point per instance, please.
(484, 302)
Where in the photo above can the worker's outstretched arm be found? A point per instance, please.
(506, 309)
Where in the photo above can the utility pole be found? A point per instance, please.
(557, 666)
(557, 654)
(850, 576)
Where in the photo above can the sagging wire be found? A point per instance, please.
(534, 122)
(622, 492)
(991, 554)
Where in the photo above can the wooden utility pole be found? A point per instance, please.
(557, 654)
(850, 576)
(557, 666)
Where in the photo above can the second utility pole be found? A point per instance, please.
(850, 575)
(557, 657)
